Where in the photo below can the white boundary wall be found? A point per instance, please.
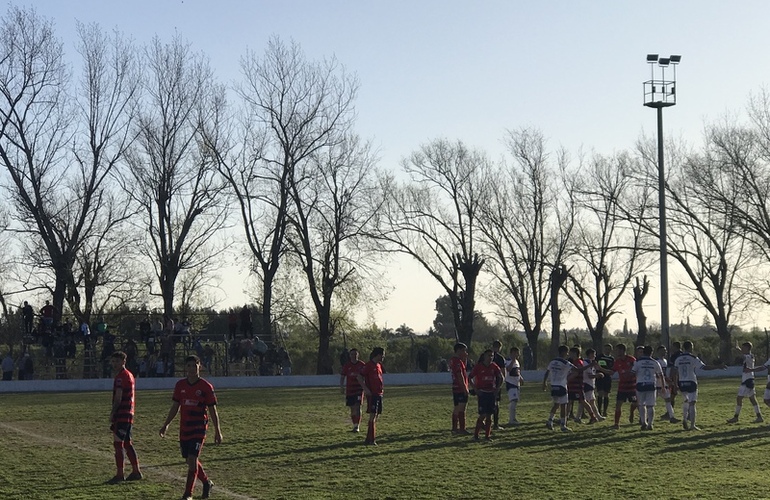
(105, 384)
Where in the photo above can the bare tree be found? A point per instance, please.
(606, 251)
(640, 291)
(292, 109)
(705, 235)
(172, 170)
(331, 223)
(433, 219)
(57, 190)
(525, 226)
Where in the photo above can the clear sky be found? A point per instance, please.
(470, 70)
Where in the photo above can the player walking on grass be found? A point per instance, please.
(486, 379)
(558, 372)
(351, 388)
(499, 360)
(513, 380)
(687, 381)
(649, 375)
(604, 384)
(746, 389)
(459, 387)
(590, 376)
(370, 379)
(122, 418)
(664, 391)
(195, 398)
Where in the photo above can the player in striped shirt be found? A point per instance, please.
(746, 389)
(558, 372)
(459, 373)
(122, 418)
(195, 398)
(486, 378)
(371, 381)
(351, 388)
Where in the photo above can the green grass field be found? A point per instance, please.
(296, 443)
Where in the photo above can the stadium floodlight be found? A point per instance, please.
(661, 93)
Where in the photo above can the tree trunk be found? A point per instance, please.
(532, 340)
(325, 364)
(558, 277)
(725, 342)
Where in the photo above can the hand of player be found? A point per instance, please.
(218, 437)
(163, 430)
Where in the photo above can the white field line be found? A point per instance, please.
(218, 490)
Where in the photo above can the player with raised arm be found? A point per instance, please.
(746, 389)
(558, 372)
(687, 380)
(485, 378)
(649, 376)
(351, 388)
(122, 418)
(513, 381)
(459, 387)
(590, 376)
(195, 398)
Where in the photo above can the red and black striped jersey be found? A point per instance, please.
(125, 382)
(194, 400)
(350, 371)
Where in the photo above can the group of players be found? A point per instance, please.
(580, 386)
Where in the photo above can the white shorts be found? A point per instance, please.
(513, 394)
(745, 392)
(767, 394)
(645, 398)
(664, 393)
(589, 396)
(690, 397)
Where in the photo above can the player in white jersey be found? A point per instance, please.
(558, 371)
(513, 380)
(664, 391)
(687, 380)
(746, 389)
(649, 376)
(590, 375)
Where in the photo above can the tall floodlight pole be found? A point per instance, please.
(659, 94)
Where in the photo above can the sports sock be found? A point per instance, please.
(737, 410)
(650, 415)
(512, 411)
(454, 421)
(131, 453)
(670, 409)
(757, 410)
(370, 431)
(118, 457)
(693, 412)
(479, 424)
(617, 416)
(201, 473)
(190, 484)
(685, 412)
(606, 405)
(488, 428)
(496, 415)
(461, 420)
(356, 419)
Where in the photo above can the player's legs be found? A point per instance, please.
(355, 416)
(513, 401)
(738, 406)
(549, 422)
(458, 413)
(563, 417)
(374, 408)
(119, 458)
(757, 411)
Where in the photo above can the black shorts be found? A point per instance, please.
(604, 384)
(353, 400)
(123, 431)
(626, 396)
(487, 403)
(688, 386)
(459, 398)
(575, 396)
(374, 404)
(191, 447)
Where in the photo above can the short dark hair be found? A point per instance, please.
(621, 347)
(459, 346)
(193, 358)
(119, 355)
(590, 351)
(376, 352)
(563, 349)
(688, 345)
(647, 350)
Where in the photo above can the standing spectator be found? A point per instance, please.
(351, 388)
(459, 387)
(47, 314)
(527, 353)
(284, 360)
(7, 367)
(85, 333)
(196, 399)
(246, 322)
(208, 357)
(370, 379)
(28, 313)
(122, 418)
(168, 325)
(132, 353)
(232, 324)
(100, 327)
(499, 360)
(28, 367)
(108, 348)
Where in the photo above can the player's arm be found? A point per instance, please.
(171, 414)
(758, 368)
(714, 367)
(342, 383)
(116, 399)
(545, 379)
(215, 422)
(362, 382)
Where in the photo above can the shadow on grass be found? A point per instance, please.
(698, 440)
